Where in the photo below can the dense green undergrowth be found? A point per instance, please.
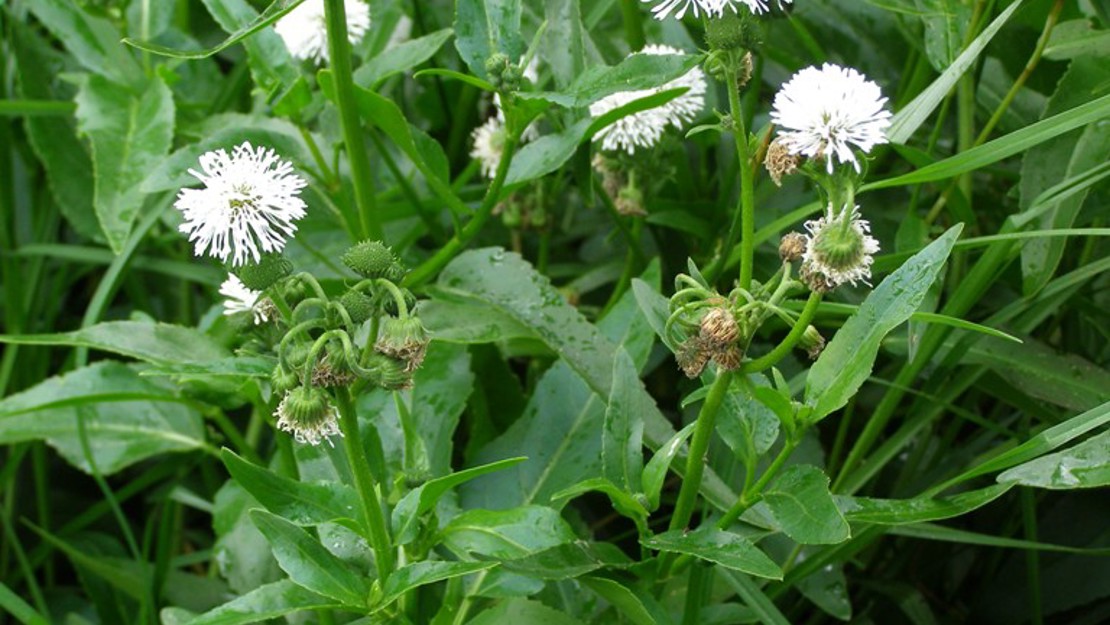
(488, 421)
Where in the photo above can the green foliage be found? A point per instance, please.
(556, 384)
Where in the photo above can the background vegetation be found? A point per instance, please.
(116, 505)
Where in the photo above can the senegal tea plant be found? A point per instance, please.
(554, 312)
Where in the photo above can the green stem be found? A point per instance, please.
(430, 267)
(340, 52)
(36, 108)
(751, 496)
(372, 508)
(633, 24)
(772, 358)
(743, 224)
(699, 446)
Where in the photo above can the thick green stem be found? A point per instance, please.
(772, 358)
(699, 446)
(372, 508)
(430, 267)
(340, 52)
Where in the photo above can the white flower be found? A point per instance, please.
(712, 8)
(241, 299)
(839, 250)
(489, 144)
(249, 201)
(644, 129)
(824, 112)
(305, 32)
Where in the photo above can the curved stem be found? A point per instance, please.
(372, 508)
(430, 267)
(340, 52)
(699, 446)
(751, 496)
(772, 358)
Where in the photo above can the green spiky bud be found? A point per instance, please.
(359, 306)
(265, 273)
(733, 32)
(371, 259)
(392, 373)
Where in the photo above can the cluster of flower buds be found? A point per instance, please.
(714, 329)
(503, 73)
(321, 344)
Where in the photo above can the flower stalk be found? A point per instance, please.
(372, 508)
(699, 447)
(361, 176)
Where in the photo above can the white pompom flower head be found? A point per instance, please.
(249, 204)
(645, 128)
(305, 31)
(710, 8)
(830, 112)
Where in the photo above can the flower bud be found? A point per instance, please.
(308, 415)
(732, 32)
(405, 339)
(358, 305)
(262, 275)
(780, 162)
(792, 247)
(630, 202)
(372, 259)
(719, 328)
(393, 374)
(692, 357)
(283, 379)
(812, 342)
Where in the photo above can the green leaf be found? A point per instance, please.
(507, 534)
(274, 12)
(746, 424)
(564, 42)
(271, 64)
(426, 154)
(419, 574)
(18, 608)
(1003, 147)
(225, 132)
(1086, 465)
(423, 498)
(550, 152)
(523, 612)
(264, 603)
(946, 22)
(455, 318)
(560, 430)
(622, 449)
(571, 560)
(847, 360)
(300, 502)
(309, 564)
(631, 604)
(1044, 442)
(754, 597)
(158, 343)
(906, 122)
(93, 41)
(65, 159)
(730, 550)
(622, 501)
(917, 510)
(130, 134)
(485, 27)
(803, 506)
(1074, 39)
(127, 418)
(929, 531)
(401, 58)
(1061, 158)
(1039, 371)
(634, 73)
(655, 473)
